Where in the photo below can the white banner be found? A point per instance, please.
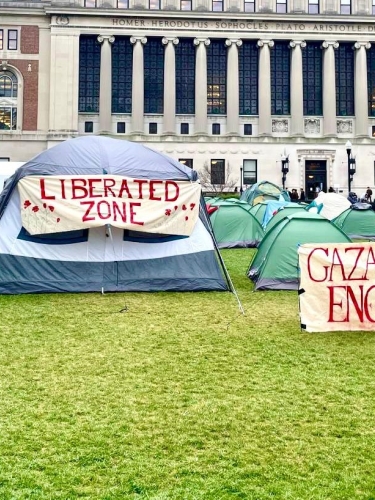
(52, 204)
(337, 288)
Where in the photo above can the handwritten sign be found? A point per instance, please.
(51, 204)
(337, 288)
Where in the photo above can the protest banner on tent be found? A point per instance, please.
(337, 286)
(54, 204)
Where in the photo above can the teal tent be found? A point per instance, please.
(259, 210)
(262, 191)
(288, 209)
(358, 222)
(275, 265)
(234, 226)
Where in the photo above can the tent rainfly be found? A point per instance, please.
(358, 222)
(111, 248)
(262, 191)
(275, 265)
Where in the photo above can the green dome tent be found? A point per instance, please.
(275, 265)
(234, 226)
(358, 222)
(262, 191)
(283, 212)
(258, 210)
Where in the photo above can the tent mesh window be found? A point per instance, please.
(63, 238)
(142, 237)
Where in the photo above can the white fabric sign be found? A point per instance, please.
(337, 288)
(51, 204)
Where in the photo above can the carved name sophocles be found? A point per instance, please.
(344, 126)
(312, 126)
(62, 20)
(280, 126)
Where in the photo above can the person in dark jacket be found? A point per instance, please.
(302, 196)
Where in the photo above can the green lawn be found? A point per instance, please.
(181, 397)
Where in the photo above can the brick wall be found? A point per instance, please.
(30, 92)
(29, 40)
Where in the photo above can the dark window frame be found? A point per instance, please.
(184, 128)
(217, 171)
(187, 161)
(216, 129)
(121, 125)
(88, 125)
(249, 180)
(248, 129)
(151, 127)
(63, 238)
(10, 40)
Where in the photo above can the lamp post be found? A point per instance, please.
(351, 164)
(241, 188)
(284, 166)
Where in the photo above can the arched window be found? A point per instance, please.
(8, 100)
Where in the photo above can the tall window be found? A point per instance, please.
(154, 4)
(1, 39)
(250, 172)
(280, 79)
(217, 171)
(216, 77)
(373, 7)
(185, 77)
(313, 6)
(217, 5)
(371, 80)
(12, 39)
(344, 62)
(89, 74)
(248, 78)
(154, 75)
(249, 6)
(345, 7)
(122, 62)
(312, 56)
(8, 100)
(281, 6)
(186, 5)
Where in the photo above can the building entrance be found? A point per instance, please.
(316, 177)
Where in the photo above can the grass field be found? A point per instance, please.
(179, 396)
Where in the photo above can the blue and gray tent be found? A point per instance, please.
(105, 258)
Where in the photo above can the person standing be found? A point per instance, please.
(302, 196)
(369, 195)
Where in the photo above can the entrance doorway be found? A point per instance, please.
(316, 177)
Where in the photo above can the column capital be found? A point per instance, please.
(261, 43)
(297, 43)
(166, 40)
(135, 39)
(198, 41)
(110, 38)
(330, 43)
(358, 45)
(233, 41)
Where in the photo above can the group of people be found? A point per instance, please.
(294, 196)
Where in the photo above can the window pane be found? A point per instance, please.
(248, 77)
(5, 118)
(280, 79)
(312, 79)
(154, 4)
(12, 39)
(216, 77)
(217, 172)
(154, 76)
(313, 9)
(90, 3)
(249, 7)
(371, 80)
(122, 63)
(249, 172)
(89, 74)
(344, 63)
(1, 39)
(186, 5)
(217, 6)
(122, 4)
(185, 77)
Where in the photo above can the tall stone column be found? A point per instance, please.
(296, 87)
(169, 123)
(233, 92)
(105, 96)
(138, 85)
(201, 85)
(329, 88)
(360, 89)
(264, 86)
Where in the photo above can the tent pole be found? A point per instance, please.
(228, 278)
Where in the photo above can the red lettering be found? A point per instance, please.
(325, 250)
(331, 290)
(358, 307)
(91, 188)
(360, 250)
(140, 187)
(124, 187)
(62, 182)
(370, 252)
(152, 190)
(368, 306)
(101, 214)
(86, 217)
(43, 191)
(78, 186)
(168, 195)
(117, 210)
(107, 185)
(339, 263)
(133, 214)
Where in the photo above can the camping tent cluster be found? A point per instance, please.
(101, 257)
